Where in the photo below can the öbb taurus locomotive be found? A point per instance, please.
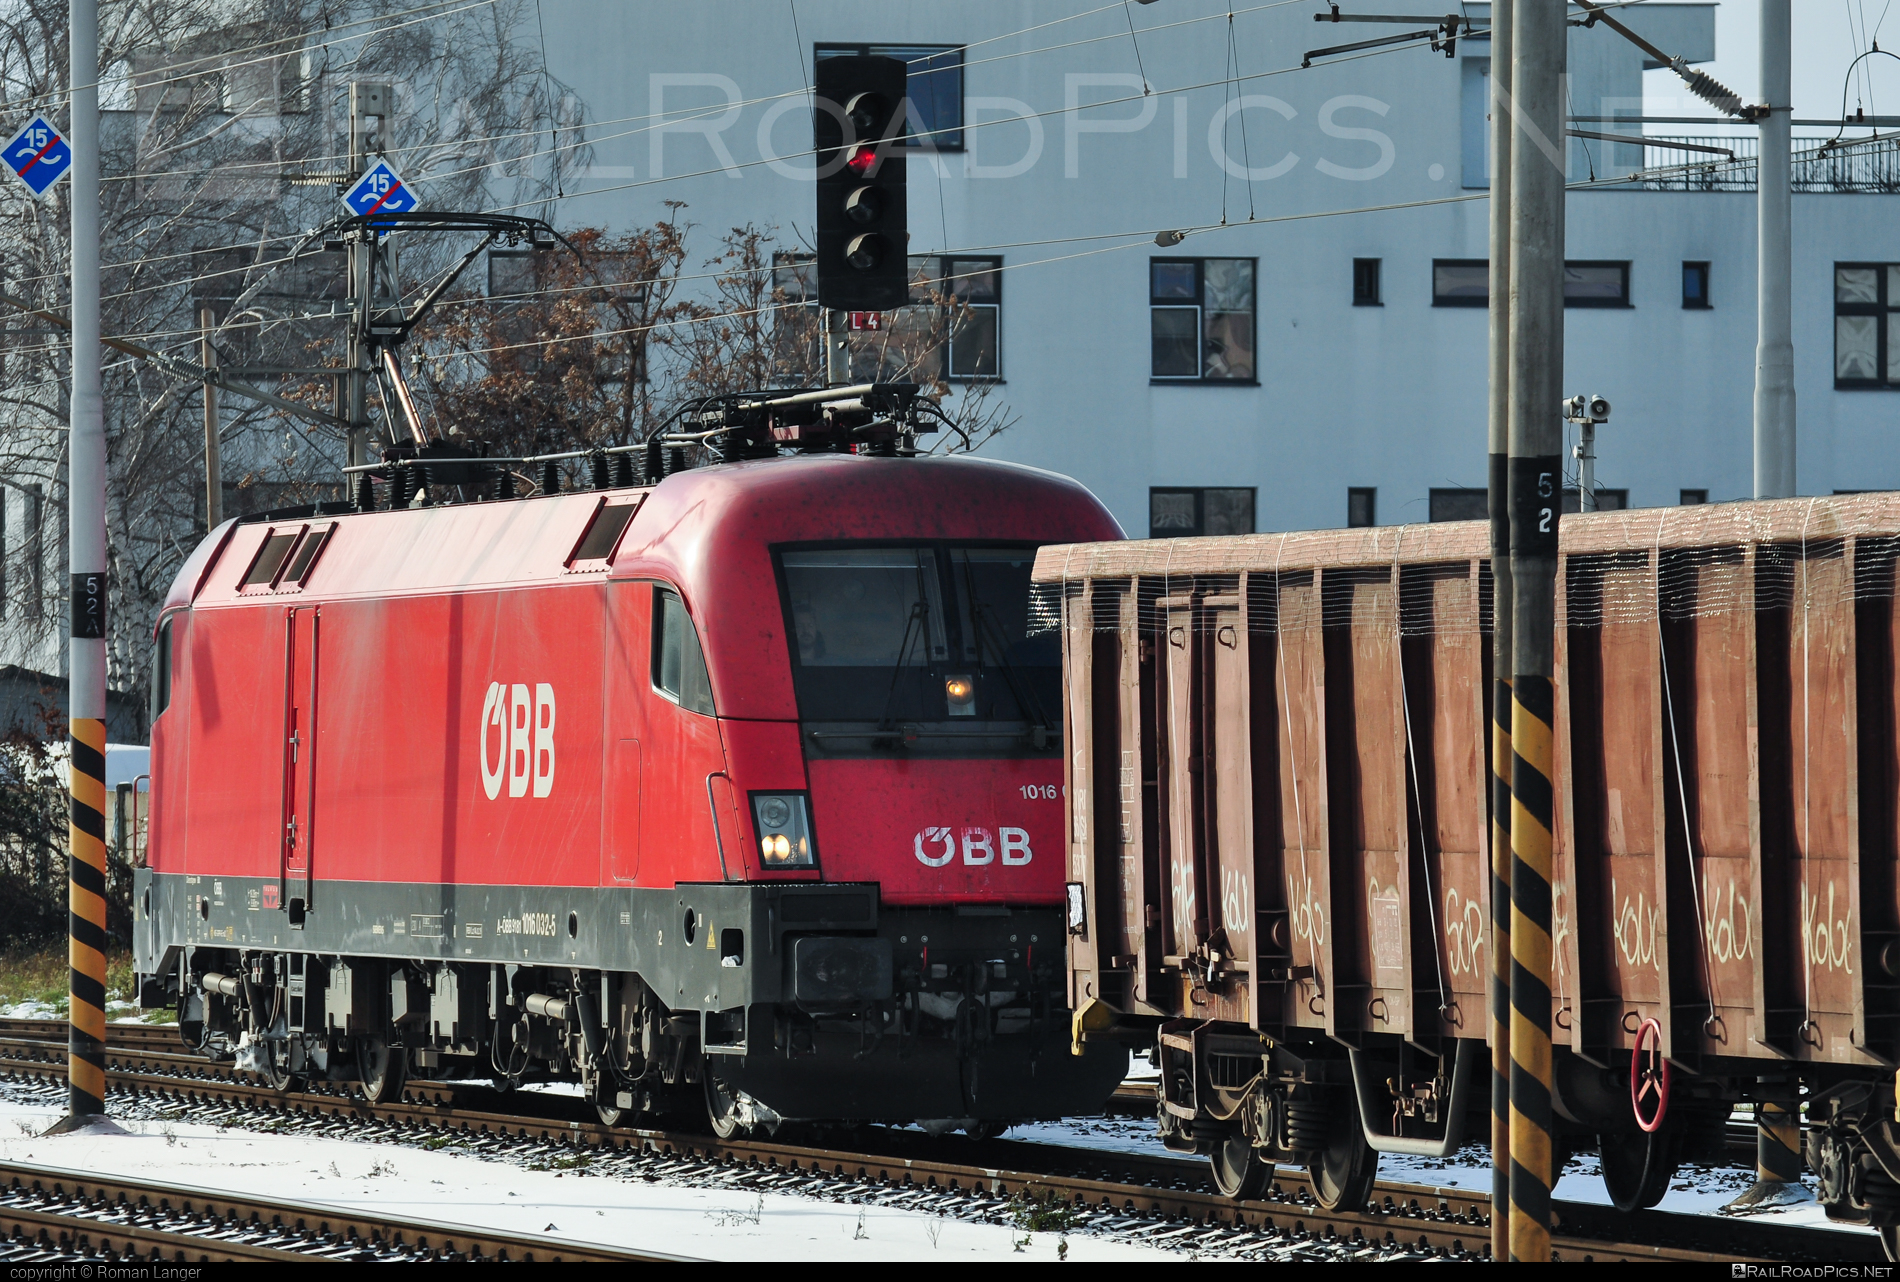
(1278, 837)
(745, 783)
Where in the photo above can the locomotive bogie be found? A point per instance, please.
(1278, 826)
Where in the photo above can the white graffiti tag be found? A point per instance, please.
(1309, 915)
(1729, 939)
(1236, 906)
(1635, 927)
(1464, 932)
(1830, 939)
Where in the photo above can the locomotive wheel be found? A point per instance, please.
(383, 1069)
(1637, 1168)
(277, 1067)
(1344, 1171)
(988, 1129)
(1890, 1240)
(721, 1108)
(1241, 1171)
(608, 1114)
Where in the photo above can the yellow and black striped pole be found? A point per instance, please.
(1535, 115)
(1501, 961)
(1778, 1158)
(86, 560)
(86, 1052)
(1777, 1143)
(1498, 433)
(1531, 792)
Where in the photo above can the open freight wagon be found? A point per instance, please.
(1278, 836)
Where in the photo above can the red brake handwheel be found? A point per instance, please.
(1649, 1078)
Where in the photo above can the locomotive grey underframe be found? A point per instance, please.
(646, 931)
(673, 938)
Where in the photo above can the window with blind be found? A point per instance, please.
(1866, 300)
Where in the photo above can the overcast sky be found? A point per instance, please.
(1827, 36)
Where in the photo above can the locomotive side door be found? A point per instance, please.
(300, 762)
(625, 677)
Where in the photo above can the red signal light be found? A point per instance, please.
(862, 160)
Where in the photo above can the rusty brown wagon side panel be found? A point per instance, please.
(1278, 800)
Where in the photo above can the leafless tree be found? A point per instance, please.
(223, 130)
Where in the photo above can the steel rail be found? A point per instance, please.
(1449, 1220)
(87, 1208)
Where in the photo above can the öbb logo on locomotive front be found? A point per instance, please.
(937, 846)
(523, 726)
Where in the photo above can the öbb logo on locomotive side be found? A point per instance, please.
(935, 846)
(522, 726)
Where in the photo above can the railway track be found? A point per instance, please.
(48, 1213)
(1112, 1190)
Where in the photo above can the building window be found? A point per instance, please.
(969, 294)
(1692, 498)
(1466, 282)
(1596, 284)
(1365, 283)
(1695, 286)
(1362, 506)
(951, 329)
(1462, 504)
(1202, 319)
(1176, 512)
(1866, 296)
(1607, 500)
(1460, 282)
(934, 86)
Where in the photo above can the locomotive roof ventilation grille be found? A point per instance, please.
(602, 536)
(286, 557)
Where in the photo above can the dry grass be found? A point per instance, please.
(44, 975)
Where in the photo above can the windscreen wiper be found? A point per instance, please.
(919, 611)
(1026, 700)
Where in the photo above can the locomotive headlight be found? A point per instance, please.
(959, 692)
(784, 822)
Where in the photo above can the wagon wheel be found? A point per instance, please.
(1637, 1167)
(722, 1107)
(1241, 1171)
(1344, 1171)
(383, 1069)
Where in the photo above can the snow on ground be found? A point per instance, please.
(116, 1011)
(705, 1220)
(1696, 1190)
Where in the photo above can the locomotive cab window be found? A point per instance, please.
(929, 646)
(162, 669)
(679, 665)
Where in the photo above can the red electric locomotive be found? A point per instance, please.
(747, 781)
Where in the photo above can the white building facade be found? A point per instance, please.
(1320, 358)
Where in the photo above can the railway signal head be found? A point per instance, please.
(863, 248)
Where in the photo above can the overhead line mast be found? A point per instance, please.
(86, 695)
